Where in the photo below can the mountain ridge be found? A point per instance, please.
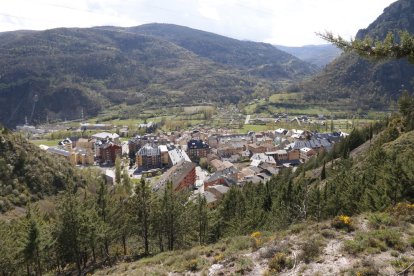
(367, 83)
(58, 73)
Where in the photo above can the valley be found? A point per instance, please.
(160, 149)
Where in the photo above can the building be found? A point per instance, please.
(149, 157)
(227, 177)
(214, 194)
(197, 149)
(164, 155)
(176, 155)
(138, 142)
(148, 127)
(88, 126)
(307, 153)
(106, 136)
(86, 143)
(182, 176)
(108, 152)
(253, 148)
(66, 143)
(74, 156)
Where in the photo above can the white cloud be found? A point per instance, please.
(292, 22)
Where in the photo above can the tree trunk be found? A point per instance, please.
(124, 244)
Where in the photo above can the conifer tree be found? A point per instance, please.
(202, 218)
(31, 248)
(142, 203)
(323, 172)
(118, 170)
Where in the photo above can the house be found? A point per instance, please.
(182, 176)
(280, 132)
(214, 194)
(219, 165)
(307, 153)
(84, 143)
(148, 157)
(253, 148)
(197, 149)
(259, 158)
(294, 155)
(226, 177)
(279, 155)
(124, 131)
(66, 143)
(148, 127)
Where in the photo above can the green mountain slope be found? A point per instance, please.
(58, 73)
(367, 83)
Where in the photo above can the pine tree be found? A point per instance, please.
(323, 172)
(142, 203)
(118, 170)
(31, 248)
(202, 218)
(68, 229)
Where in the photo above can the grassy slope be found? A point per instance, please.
(378, 243)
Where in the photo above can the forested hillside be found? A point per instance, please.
(61, 72)
(28, 174)
(367, 83)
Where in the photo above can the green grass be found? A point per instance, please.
(46, 142)
(247, 128)
(285, 97)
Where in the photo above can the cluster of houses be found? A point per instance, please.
(231, 159)
(101, 148)
(228, 159)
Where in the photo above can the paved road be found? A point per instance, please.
(247, 119)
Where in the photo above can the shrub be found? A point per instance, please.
(374, 242)
(404, 212)
(256, 240)
(192, 265)
(218, 258)
(380, 220)
(343, 222)
(310, 250)
(279, 262)
(328, 234)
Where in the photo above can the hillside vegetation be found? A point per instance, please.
(28, 174)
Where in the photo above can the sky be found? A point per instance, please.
(283, 22)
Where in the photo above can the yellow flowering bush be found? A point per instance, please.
(256, 240)
(404, 211)
(218, 258)
(343, 222)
